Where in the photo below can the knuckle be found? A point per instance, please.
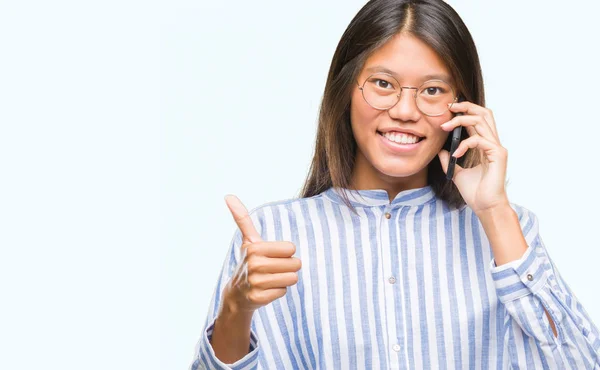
(256, 249)
(253, 280)
(255, 296)
(253, 263)
(251, 296)
(251, 250)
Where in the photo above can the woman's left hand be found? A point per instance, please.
(482, 187)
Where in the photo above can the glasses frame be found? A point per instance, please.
(361, 88)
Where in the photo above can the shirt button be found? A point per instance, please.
(392, 280)
(396, 348)
(529, 277)
(387, 215)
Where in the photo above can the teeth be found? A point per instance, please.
(401, 138)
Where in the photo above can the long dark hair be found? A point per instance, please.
(436, 24)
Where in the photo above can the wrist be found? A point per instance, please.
(232, 310)
(499, 211)
(497, 221)
(237, 325)
(232, 331)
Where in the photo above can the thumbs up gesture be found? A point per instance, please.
(266, 268)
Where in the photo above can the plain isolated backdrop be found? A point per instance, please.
(125, 123)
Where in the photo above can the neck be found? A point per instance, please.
(366, 177)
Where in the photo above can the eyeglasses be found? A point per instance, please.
(382, 91)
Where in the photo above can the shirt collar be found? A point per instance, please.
(380, 197)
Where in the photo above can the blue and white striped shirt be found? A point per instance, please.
(409, 284)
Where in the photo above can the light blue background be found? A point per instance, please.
(123, 124)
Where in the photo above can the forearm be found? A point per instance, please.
(501, 225)
(231, 335)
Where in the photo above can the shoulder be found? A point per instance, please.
(286, 204)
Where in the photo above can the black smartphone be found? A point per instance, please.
(455, 141)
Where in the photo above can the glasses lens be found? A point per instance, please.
(381, 91)
(434, 96)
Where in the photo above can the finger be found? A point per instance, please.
(242, 219)
(263, 297)
(270, 281)
(262, 264)
(470, 108)
(271, 249)
(483, 144)
(473, 124)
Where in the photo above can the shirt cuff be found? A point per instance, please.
(208, 357)
(520, 277)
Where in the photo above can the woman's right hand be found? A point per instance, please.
(265, 269)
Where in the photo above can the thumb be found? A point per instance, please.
(242, 219)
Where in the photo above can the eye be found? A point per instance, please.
(431, 90)
(381, 84)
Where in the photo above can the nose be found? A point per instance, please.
(406, 108)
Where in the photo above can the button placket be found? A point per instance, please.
(388, 278)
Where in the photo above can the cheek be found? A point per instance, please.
(437, 122)
(363, 116)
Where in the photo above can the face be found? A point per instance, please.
(382, 164)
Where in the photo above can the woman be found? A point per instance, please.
(383, 263)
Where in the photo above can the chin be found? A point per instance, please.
(399, 169)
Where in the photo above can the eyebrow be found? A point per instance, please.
(434, 76)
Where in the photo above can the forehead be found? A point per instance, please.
(408, 59)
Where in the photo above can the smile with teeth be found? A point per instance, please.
(400, 138)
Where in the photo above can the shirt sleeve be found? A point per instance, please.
(528, 285)
(204, 354)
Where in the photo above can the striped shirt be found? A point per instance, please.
(407, 284)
